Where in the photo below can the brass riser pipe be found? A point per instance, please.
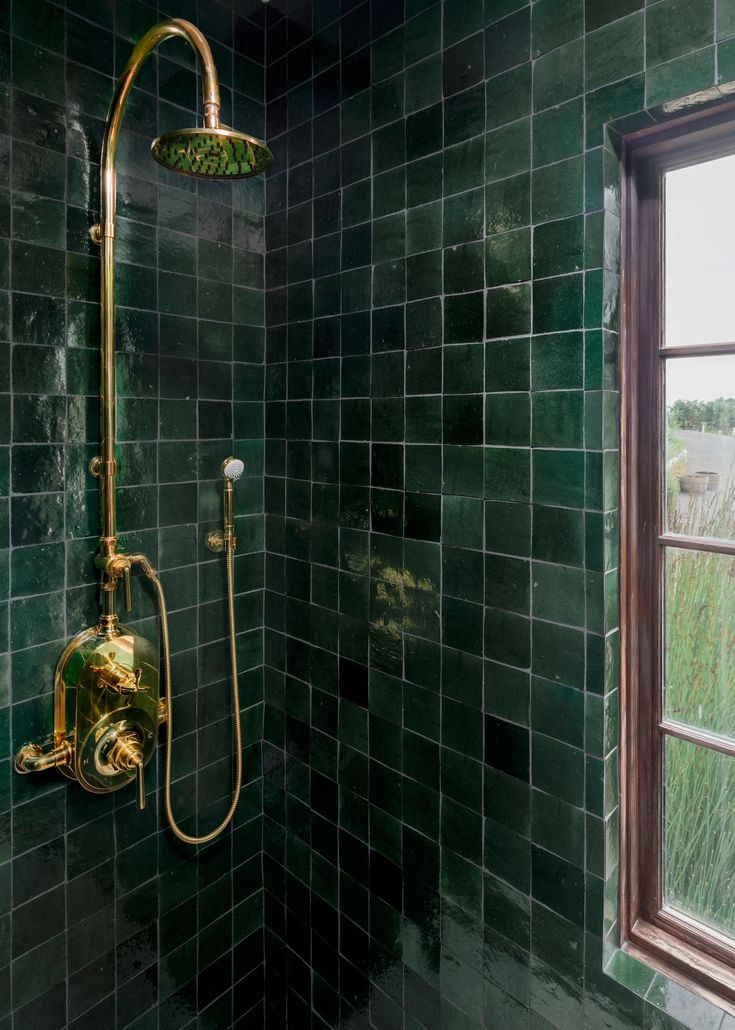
(111, 563)
(104, 234)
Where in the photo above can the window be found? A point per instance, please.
(678, 552)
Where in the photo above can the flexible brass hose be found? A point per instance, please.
(175, 828)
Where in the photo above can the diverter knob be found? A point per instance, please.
(119, 678)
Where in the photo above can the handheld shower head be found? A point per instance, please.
(232, 468)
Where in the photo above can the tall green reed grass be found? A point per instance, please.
(700, 691)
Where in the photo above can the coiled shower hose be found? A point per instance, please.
(165, 647)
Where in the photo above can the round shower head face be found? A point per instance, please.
(212, 153)
(232, 468)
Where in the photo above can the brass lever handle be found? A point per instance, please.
(127, 589)
(140, 786)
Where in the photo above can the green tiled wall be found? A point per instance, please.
(442, 229)
(429, 422)
(103, 920)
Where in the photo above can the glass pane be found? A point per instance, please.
(699, 256)
(699, 830)
(700, 446)
(699, 651)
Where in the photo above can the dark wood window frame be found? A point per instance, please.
(683, 948)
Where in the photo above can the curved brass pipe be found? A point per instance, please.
(105, 467)
(32, 757)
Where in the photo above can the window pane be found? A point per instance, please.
(699, 830)
(700, 446)
(699, 256)
(699, 652)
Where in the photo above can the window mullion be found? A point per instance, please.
(711, 545)
(696, 350)
(702, 738)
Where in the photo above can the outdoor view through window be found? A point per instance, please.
(699, 579)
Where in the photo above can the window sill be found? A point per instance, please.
(628, 967)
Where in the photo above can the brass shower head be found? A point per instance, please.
(221, 153)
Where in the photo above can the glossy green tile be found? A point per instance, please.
(463, 321)
(558, 133)
(507, 638)
(557, 361)
(457, 25)
(39, 220)
(38, 371)
(558, 535)
(464, 115)
(558, 304)
(463, 217)
(461, 625)
(559, 593)
(680, 1004)
(557, 190)
(507, 583)
(507, 527)
(508, 204)
(508, 96)
(508, 150)
(507, 419)
(558, 827)
(423, 83)
(507, 42)
(34, 619)
(614, 51)
(673, 29)
(557, 418)
(688, 74)
(37, 269)
(508, 257)
(600, 12)
(507, 749)
(559, 478)
(509, 310)
(462, 521)
(558, 75)
(558, 943)
(507, 474)
(36, 569)
(43, 26)
(558, 247)
(464, 268)
(555, 24)
(507, 365)
(611, 102)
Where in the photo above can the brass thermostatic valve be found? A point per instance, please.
(106, 713)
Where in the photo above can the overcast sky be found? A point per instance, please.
(700, 276)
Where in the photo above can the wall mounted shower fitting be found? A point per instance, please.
(106, 691)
